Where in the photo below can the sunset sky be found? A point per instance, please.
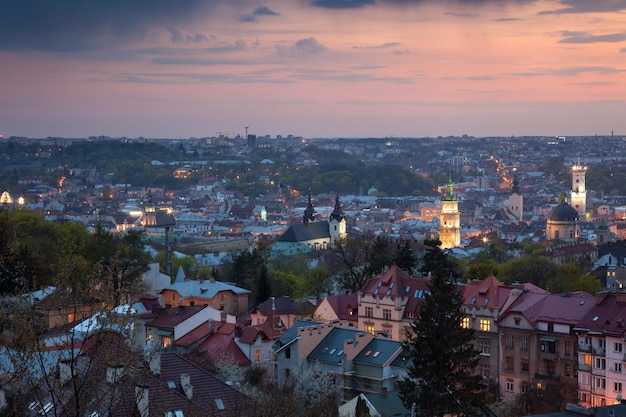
(320, 68)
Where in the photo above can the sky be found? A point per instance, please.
(312, 68)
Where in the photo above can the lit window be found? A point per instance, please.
(369, 329)
(465, 322)
(167, 341)
(257, 355)
(485, 325)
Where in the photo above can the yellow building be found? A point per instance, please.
(450, 226)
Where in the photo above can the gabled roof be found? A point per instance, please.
(305, 232)
(395, 282)
(203, 289)
(378, 352)
(484, 294)
(341, 304)
(330, 349)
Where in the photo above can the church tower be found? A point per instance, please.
(450, 226)
(578, 195)
(516, 201)
(337, 223)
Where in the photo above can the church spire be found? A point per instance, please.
(309, 213)
(515, 189)
(337, 213)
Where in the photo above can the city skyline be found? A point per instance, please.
(321, 68)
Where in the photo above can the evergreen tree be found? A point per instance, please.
(403, 257)
(442, 354)
(380, 255)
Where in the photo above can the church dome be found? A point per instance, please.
(564, 213)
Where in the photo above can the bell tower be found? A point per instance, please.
(578, 195)
(450, 226)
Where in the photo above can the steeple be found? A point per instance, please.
(450, 193)
(309, 213)
(337, 213)
(515, 189)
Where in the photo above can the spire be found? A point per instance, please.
(563, 199)
(515, 189)
(337, 213)
(450, 193)
(309, 213)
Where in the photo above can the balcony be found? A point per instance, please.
(549, 355)
(547, 375)
(598, 372)
(584, 348)
(584, 367)
(599, 351)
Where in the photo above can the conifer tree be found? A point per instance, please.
(442, 356)
(403, 257)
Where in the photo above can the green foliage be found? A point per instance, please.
(442, 355)
(588, 283)
(534, 269)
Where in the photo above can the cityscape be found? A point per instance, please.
(534, 226)
(342, 208)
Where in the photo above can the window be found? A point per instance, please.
(517, 321)
(568, 369)
(524, 365)
(465, 323)
(369, 329)
(617, 387)
(568, 347)
(618, 367)
(485, 325)
(509, 385)
(618, 347)
(386, 313)
(508, 341)
(484, 346)
(485, 371)
(599, 382)
(548, 346)
(369, 311)
(70, 318)
(600, 363)
(166, 342)
(509, 362)
(219, 403)
(523, 342)
(288, 353)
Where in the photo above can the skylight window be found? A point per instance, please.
(596, 318)
(473, 300)
(219, 404)
(332, 351)
(391, 286)
(408, 288)
(340, 352)
(379, 284)
(375, 355)
(369, 352)
(171, 384)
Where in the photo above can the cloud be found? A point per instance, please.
(385, 45)
(507, 19)
(570, 72)
(79, 25)
(342, 4)
(584, 37)
(259, 11)
(177, 36)
(305, 46)
(588, 6)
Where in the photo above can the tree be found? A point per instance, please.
(404, 258)
(380, 255)
(348, 263)
(441, 353)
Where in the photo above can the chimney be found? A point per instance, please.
(223, 316)
(383, 391)
(143, 400)
(185, 383)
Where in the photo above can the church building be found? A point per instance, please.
(563, 223)
(313, 234)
